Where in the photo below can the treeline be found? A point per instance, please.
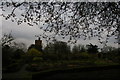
(14, 54)
(59, 50)
(59, 54)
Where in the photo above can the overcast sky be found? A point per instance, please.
(25, 33)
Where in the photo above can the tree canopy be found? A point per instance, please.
(71, 20)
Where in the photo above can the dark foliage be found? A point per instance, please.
(38, 47)
(31, 46)
(92, 48)
(57, 50)
(12, 56)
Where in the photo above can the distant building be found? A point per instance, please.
(38, 44)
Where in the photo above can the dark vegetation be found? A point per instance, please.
(55, 56)
(12, 54)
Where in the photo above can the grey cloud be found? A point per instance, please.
(22, 31)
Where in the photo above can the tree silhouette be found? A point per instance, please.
(92, 48)
(73, 19)
(6, 39)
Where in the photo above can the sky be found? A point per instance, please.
(26, 34)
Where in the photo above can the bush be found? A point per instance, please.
(37, 59)
(31, 54)
(34, 52)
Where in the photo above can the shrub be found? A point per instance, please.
(37, 59)
(34, 52)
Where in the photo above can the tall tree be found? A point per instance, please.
(59, 48)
